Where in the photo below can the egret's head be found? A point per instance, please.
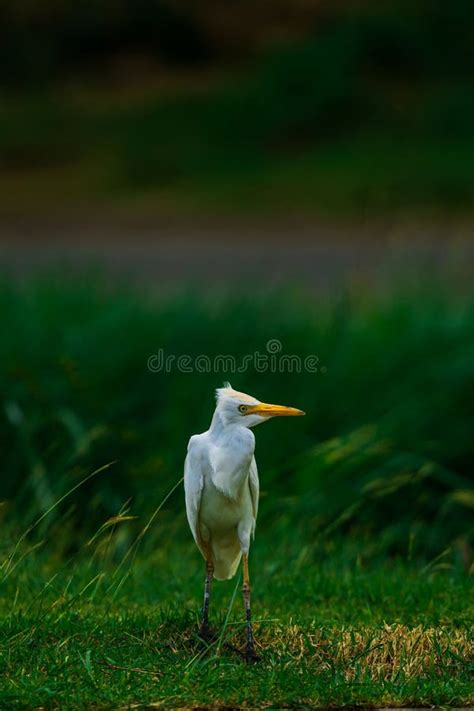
(238, 408)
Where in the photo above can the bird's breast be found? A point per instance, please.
(220, 513)
(230, 458)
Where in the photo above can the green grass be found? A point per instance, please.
(328, 633)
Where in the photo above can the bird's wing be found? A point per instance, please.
(193, 484)
(254, 489)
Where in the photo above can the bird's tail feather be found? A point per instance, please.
(226, 561)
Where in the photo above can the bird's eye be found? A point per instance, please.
(243, 408)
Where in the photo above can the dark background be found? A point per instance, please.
(257, 171)
(183, 110)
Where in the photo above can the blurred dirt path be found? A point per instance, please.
(260, 255)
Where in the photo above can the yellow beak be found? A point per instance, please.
(266, 410)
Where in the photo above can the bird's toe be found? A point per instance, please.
(251, 657)
(206, 634)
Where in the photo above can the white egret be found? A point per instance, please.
(221, 487)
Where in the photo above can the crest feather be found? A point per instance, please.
(228, 391)
(221, 391)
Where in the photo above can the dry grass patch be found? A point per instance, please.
(376, 653)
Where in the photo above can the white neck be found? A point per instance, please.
(231, 455)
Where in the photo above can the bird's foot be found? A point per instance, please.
(250, 655)
(205, 633)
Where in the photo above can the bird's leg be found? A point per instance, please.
(250, 655)
(207, 594)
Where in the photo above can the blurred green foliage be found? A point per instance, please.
(369, 110)
(384, 455)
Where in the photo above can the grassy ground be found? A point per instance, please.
(328, 633)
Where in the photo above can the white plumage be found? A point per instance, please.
(222, 488)
(221, 484)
